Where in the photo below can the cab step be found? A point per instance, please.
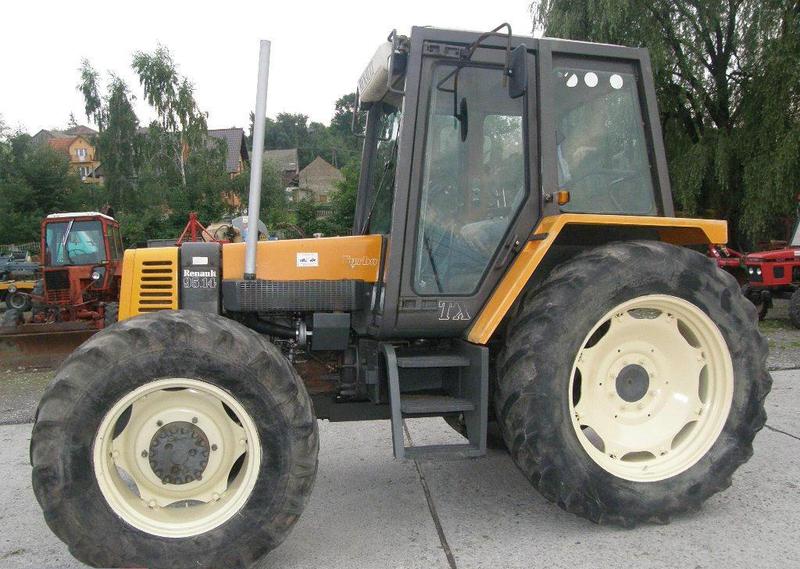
(432, 404)
(430, 383)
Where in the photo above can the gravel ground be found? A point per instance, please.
(20, 391)
(783, 338)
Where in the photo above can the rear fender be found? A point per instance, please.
(561, 236)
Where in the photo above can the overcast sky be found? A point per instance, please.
(318, 49)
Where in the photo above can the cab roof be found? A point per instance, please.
(79, 214)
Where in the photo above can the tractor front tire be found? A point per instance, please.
(755, 296)
(18, 301)
(632, 383)
(174, 440)
(794, 308)
(110, 314)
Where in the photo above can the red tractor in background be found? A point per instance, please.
(80, 270)
(775, 274)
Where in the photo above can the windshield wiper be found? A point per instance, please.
(386, 167)
(64, 242)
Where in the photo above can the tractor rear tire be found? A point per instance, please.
(794, 308)
(243, 404)
(641, 306)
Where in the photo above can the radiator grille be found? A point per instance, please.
(56, 280)
(149, 281)
(157, 288)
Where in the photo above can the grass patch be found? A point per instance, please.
(775, 324)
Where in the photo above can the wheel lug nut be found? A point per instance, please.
(214, 447)
(152, 503)
(215, 497)
(159, 423)
(194, 419)
(144, 454)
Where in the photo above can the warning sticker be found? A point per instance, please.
(308, 259)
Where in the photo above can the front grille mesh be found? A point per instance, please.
(290, 296)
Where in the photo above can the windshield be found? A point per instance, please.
(601, 145)
(74, 243)
(795, 242)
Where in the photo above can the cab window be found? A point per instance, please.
(601, 152)
(473, 181)
(115, 242)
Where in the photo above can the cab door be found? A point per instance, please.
(472, 191)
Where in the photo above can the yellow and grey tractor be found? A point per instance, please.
(514, 260)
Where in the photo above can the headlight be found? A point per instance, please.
(96, 276)
(750, 270)
(12, 289)
(758, 271)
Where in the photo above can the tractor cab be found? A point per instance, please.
(81, 257)
(470, 141)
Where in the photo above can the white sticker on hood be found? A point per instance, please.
(308, 259)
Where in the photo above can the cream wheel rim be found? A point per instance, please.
(651, 388)
(176, 457)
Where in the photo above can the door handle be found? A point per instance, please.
(512, 246)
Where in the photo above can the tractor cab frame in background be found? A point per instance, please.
(81, 262)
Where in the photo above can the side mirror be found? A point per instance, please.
(518, 72)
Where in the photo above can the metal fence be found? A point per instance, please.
(17, 249)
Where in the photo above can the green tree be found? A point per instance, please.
(709, 59)
(116, 142)
(91, 94)
(35, 181)
(172, 97)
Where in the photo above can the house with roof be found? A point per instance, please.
(236, 155)
(44, 135)
(319, 180)
(287, 162)
(82, 156)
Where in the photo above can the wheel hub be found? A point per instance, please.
(632, 383)
(178, 453)
(655, 387)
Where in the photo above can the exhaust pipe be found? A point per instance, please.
(254, 199)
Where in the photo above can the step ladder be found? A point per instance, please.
(457, 381)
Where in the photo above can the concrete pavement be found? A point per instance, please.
(370, 511)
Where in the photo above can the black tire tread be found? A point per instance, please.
(536, 318)
(158, 333)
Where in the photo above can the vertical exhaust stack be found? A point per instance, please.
(254, 200)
